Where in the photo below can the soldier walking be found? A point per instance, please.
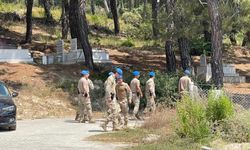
(84, 98)
(184, 83)
(124, 96)
(111, 102)
(150, 94)
(136, 93)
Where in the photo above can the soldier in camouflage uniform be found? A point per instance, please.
(110, 98)
(136, 93)
(150, 94)
(84, 98)
(124, 96)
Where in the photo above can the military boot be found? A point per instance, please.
(104, 126)
(91, 120)
(77, 117)
(138, 117)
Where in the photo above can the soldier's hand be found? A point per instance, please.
(141, 95)
(129, 101)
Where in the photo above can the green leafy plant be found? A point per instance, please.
(128, 43)
(192, 120)
(219, 106)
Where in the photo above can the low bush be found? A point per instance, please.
(219, 106)
(128, 43)
(235, 129)
(192, 120)
(132, 18)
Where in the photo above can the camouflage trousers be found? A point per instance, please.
(136, 102)
(124, 110)
(112, 113)
(150, 105)
(85, 109)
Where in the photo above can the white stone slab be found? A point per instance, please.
(15, 56)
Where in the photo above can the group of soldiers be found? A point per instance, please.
(118, 95)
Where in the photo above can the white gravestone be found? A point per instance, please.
(73, 44)
(203, 60)
(60, 51)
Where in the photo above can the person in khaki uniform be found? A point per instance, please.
(136, 93)
(77, 118)
(110, 98)
(150, 94)
(184, 83)
(84, 98)
(124, 96)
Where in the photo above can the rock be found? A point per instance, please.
(206, 148)
(151, 138)
(236, 146)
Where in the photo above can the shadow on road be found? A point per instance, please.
(96, 131)
(5, 130)
(71, 121)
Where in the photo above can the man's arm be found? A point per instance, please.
(85, 91)
(129, 92)
(138, 89)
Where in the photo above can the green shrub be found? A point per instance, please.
(128, 43)
(192, 121)
(132, 18)
(144, 31)
(198, 46)
(219, 106)
(236, 129)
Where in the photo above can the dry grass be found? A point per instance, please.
(163, 119)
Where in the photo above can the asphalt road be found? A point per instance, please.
(53, 134)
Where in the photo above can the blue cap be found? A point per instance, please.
(152, 74)
(136, 73)
(187, 72)
(84, 72)
(119, 71)
(111, 73)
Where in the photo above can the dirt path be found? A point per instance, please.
(61, 134)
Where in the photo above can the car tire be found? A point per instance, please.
(12, 128)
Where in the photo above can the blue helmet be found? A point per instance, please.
(136, 73)
(151, 74)
(187, 72)
(111, 73)
(119, 71)
(84, 72)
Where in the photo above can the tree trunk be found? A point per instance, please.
(130, 5)
(65, 19)
(92, 7)
(106, 7)
(170, 56)
(184, 47)
(114, 12)
(144, 9)
(246, 40)
(78, 27)
(233, 39)
(207, 34)
(155, 18)
(217, 66)
(29, 6)
(46, 6)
